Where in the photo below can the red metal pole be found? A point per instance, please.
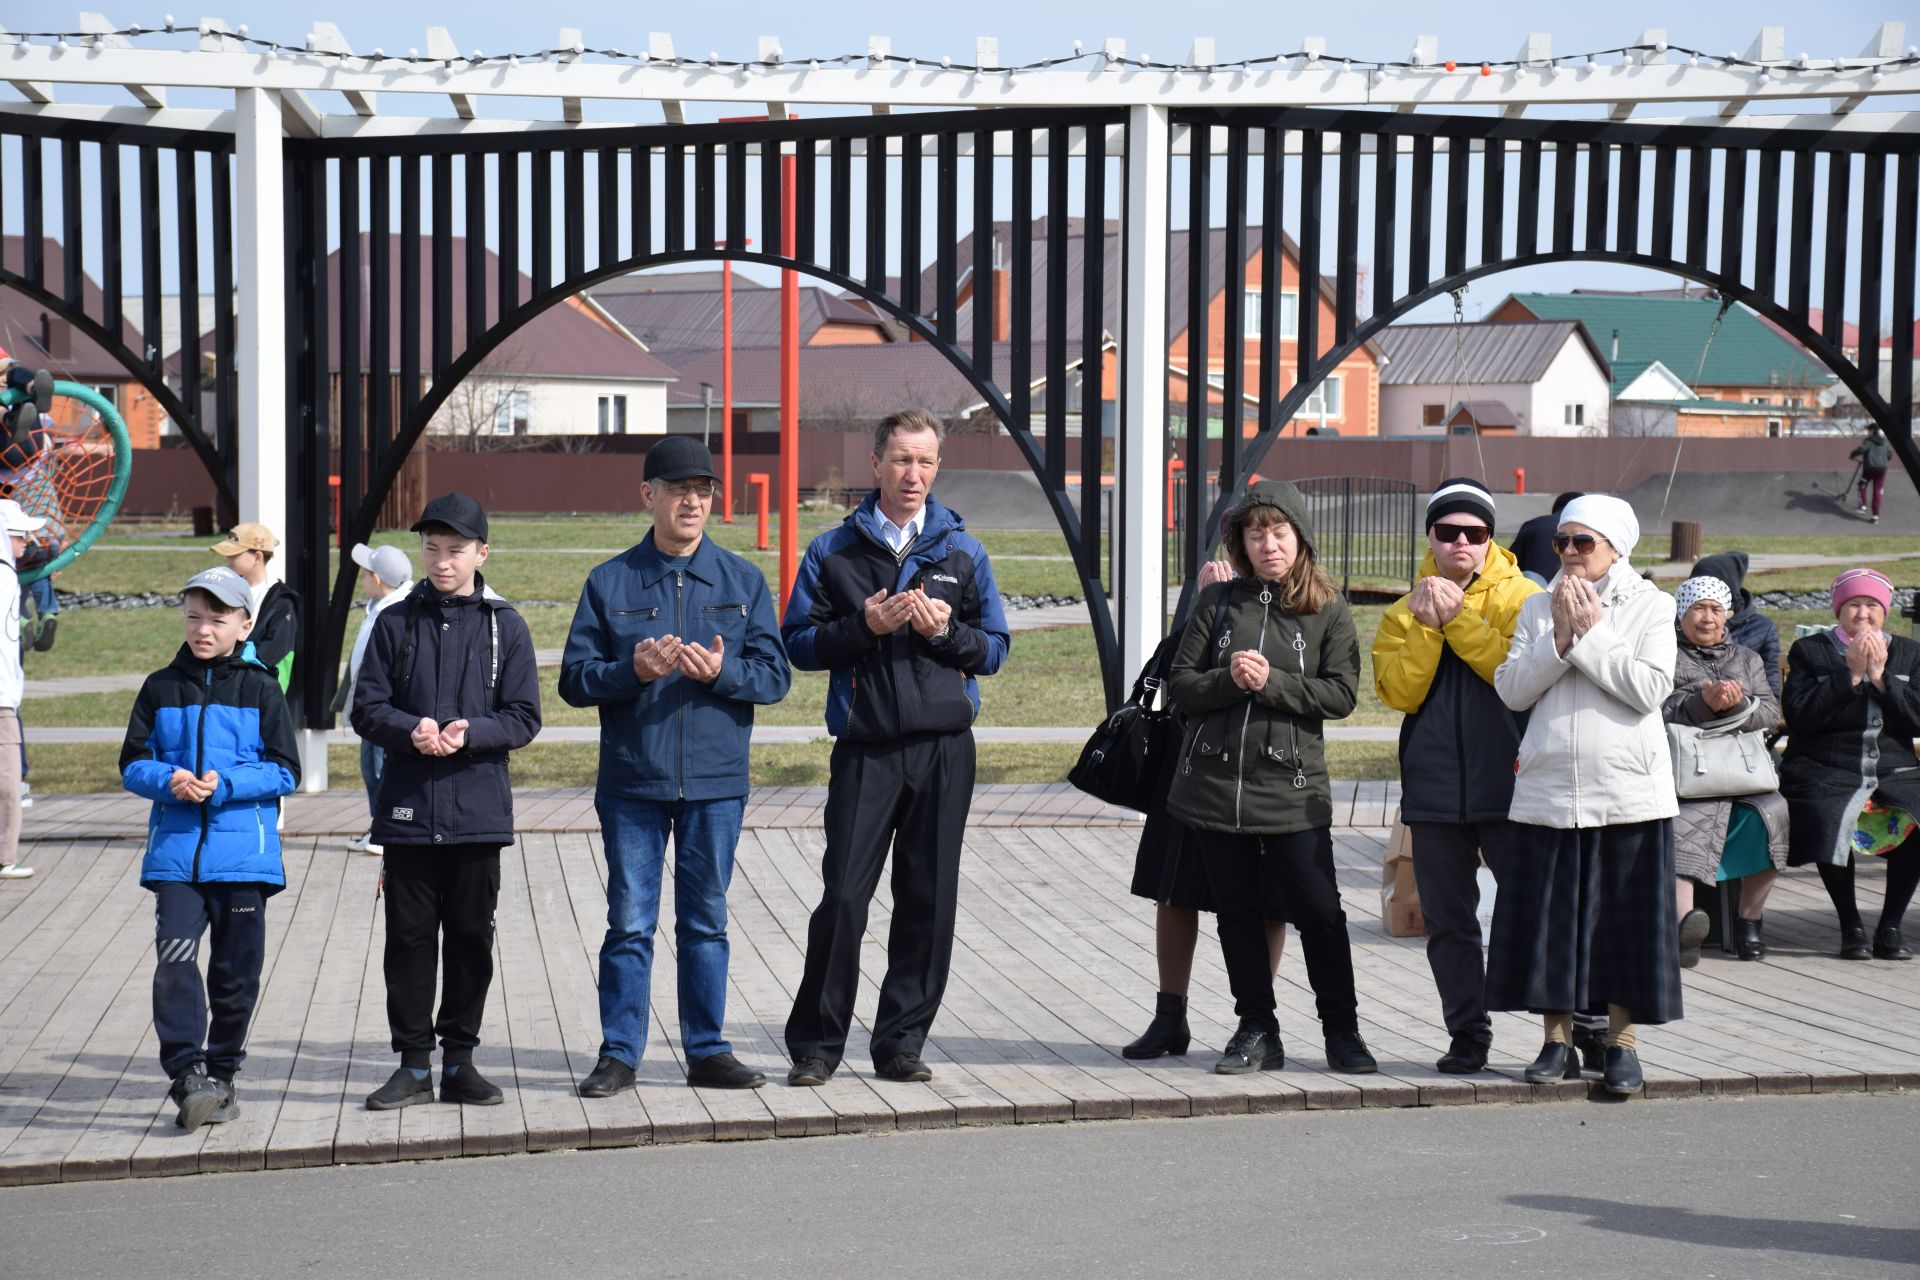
(726, 391)
(758, 482)
(789, 387)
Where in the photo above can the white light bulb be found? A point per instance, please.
(813, 64)
(413, 55)
(241, 30)
(945, 62)
(169, 22)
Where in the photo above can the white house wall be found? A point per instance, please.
(1574, 377)
(556, 406)
(1401, 405)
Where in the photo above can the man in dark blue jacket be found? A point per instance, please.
(674, 641)
(447, 688)
(900, 606)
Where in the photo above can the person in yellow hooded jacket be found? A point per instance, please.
(1433, 659)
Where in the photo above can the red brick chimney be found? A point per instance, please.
(1002, 319)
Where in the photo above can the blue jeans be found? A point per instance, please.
(372, 760)
(704, 835)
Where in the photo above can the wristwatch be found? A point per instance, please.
(943, 634)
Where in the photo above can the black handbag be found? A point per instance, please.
(1120, 763)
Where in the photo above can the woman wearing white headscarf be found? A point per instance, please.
(1719, 682)
(1586, 919)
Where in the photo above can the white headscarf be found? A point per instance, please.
(1607, 516)
(1694, 590)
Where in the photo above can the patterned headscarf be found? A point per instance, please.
(1694, 590)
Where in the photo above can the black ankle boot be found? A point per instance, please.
(1167, 1033)
(1853, 943)
(1748, 942)
(1887, 945)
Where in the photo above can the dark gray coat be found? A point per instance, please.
(1700, 829)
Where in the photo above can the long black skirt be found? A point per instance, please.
(1585, 919)
(1168, 867)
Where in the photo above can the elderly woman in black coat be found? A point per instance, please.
(1850, 777)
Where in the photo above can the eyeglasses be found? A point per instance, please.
(1582, 543)
(702, 489)
(1448, 533)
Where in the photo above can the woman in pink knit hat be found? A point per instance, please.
(1850, 776)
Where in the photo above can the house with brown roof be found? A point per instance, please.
(682, 319)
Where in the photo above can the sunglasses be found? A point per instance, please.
(1445, 534)
(1582, 543)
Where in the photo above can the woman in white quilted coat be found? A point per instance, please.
(1586, 920)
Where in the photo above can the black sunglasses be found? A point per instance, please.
(1580, 542)
(1474, 534)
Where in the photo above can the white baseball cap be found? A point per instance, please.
(389, 564)
(17, 520)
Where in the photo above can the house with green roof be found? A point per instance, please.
(1680, 367)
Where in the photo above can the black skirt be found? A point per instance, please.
(1585, 919)
(1168, 867)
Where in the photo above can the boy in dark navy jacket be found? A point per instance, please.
(447, 688)
(211, 744)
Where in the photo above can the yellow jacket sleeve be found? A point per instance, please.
(1482, 632)
(1406, 653)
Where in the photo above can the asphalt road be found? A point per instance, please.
(1756, 1188)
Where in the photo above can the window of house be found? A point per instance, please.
(1575, 415)
(511, 412)
(613, 415)
(1757, 400)
(1775, 428)
(1289, 314)
(1325, 400)
(1433, 415)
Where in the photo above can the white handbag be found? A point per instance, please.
(1719, 759)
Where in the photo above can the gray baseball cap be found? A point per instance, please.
(389, 564)
(224, 585)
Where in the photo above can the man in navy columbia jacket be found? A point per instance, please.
(900, 605)
(674, 642)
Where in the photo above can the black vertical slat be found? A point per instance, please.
(1093, 356)
(573, 205)
(875, 238)
(1420, 217)
(840, 208)
(1766, 226)
(112, 269)
(73, 284)
(1272, 256)
(33, 213)
(151, 352)
(674, 187)
(351, 428)
(1839, 193)
(946, 216)
(1906, 235)
(1386, 206)
(1527, 230)
(408, 333)
(507, 203)
(1873, 226)
(1599, 196)
(806, 201)
(1347, 273)
(1733, 215)
(1197, 537)
(1311, 156)
(704, 182)
(983, 275)
(186, 199)
(1626, 210)
(606, 190)
(1566, 177)
(772, 170)
(1233, 326)
(442, 178)
(910, 183)
(542, 192)
(640, 201)
(379, 304)
(475, 217)
(1459, 170)
(1699, 207)
(736, 229)
(226, 407)
(1056, 372)
(1020, 280)
(1493, 199)
(1665, 162)
(311, 549)
(1800, 255)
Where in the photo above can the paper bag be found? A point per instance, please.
(1399, 893)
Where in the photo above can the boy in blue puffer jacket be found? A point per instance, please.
(211, 744)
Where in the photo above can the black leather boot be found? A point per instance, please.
(1748, 942)
(1853, 943)
(1254, 1047)
(1887, 945)
(1167, 1033)
(1556, 1062)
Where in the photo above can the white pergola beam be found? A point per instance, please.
(660, 53)
(440, 45)
(1885, 43)
(328, 38)
(33, 91)
(572, 109)
(102, 29)
(879, 48)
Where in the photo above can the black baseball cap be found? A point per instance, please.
(456, 511)
(679, 458)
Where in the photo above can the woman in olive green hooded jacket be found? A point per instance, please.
(1265, 659)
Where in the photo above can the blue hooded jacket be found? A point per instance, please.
(229, 716)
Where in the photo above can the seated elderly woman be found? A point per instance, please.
(1734, 837)
(1850, 778)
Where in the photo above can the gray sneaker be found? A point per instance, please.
(229, 1108)
(196, 1096)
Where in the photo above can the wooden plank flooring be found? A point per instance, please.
(1053, 969)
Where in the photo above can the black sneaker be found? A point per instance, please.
(1465, 1056)
(608, 1077)
(196, 1096)
(43, 635)
(1347, 1054)
(1251, 1049)
(464, 1084)
(402, 1089)
(809, 1073)
(904, 1067)
(229, 1108)
(723, 1071)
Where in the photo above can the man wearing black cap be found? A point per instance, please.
(1434, 659)
(675, 641)
(447, 688)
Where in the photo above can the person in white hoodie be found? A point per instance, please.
(12, 684)
(386, 575)
(1586, 917)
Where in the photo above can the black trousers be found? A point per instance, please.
(1446, 863)
(1256, 878)
(910, 796)
(440, 903)
(235, 915)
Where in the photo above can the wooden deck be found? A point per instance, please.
(1053, 969)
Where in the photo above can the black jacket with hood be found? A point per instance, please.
(1747, 625)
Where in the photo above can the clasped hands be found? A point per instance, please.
(1867, 658)
(1436, 601)
(886, 612)
(1248, 667)
(656, 657)
(191, 790)
(1723, 695)
(1576, 608)
(431, 739)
